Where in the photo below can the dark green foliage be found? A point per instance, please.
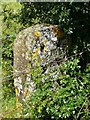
(72, 17)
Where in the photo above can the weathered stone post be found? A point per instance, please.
(43, 43)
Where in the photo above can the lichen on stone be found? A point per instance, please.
(39, 45)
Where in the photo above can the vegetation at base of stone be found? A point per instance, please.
(66, 97)
(63, 93)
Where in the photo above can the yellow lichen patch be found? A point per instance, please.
(38, 34)
(37, 52)
(18, 105)
(16, 90)
(45, 49)
(45, 41)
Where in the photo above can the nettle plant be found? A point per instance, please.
(61, 93)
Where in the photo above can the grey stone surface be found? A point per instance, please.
(39, 45)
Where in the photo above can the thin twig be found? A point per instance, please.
(81, 109)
